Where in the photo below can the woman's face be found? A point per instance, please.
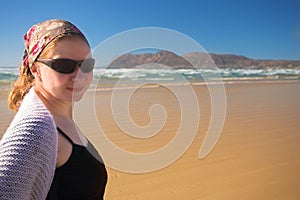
(65, 87)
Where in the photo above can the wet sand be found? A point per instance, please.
(256, 157)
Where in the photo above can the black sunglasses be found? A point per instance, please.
(67, 66)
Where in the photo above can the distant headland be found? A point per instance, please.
(201, 60)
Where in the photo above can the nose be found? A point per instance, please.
(78, 75)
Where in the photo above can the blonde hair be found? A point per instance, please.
(26, 80)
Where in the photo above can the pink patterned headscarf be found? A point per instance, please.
(40, 35)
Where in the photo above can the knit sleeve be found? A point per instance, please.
(28, 152)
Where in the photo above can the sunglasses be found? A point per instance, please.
(67, 66)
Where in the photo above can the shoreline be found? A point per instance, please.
(5, 85)
(109, 87)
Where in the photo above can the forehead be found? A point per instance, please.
(72, 48)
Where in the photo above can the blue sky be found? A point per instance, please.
(259, 29)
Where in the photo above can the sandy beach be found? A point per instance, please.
(256, 157)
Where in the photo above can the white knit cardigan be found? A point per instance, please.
(28, 152)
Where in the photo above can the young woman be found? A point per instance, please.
(43, 154)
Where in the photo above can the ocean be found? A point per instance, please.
(169, 74)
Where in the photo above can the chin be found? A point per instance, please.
(77, 97)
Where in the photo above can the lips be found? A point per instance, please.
(75, 89)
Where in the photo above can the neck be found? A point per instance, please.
(57, 107)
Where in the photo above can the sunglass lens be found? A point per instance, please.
(87, 65)
(64, 66)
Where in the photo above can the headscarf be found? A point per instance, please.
(41, 34)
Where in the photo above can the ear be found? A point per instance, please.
(35, 71)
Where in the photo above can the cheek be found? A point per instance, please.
(83, 78)
(89, 80)
(90, 77)
(50, 79)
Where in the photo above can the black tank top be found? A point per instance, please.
(83, 176)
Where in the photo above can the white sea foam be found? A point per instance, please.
(169, 74)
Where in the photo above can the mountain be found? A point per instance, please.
(199, 60)
(162, 57)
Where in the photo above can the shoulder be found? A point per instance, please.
(33, 120)
(28, 149)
